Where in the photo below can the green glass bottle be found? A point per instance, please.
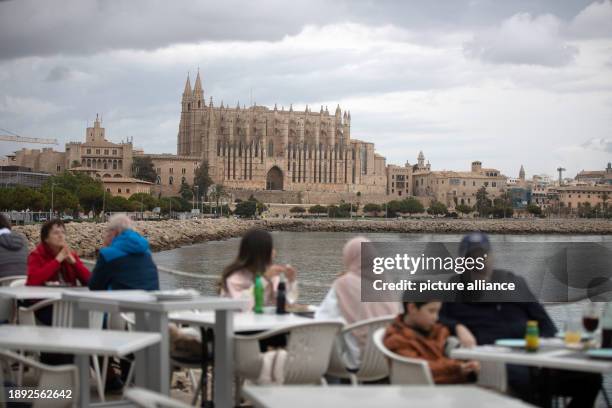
(258, 293)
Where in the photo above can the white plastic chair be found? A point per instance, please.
(62, 317)
(373, 366)
(403, 370)
(8, 280)
(62, 377)
(148, 399)
(308, 351)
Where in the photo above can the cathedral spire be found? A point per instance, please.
(338, 110)
(187, 91)
(290, 107)
(198, 85)
(211, 102)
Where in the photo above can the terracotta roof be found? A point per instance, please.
(123, 180)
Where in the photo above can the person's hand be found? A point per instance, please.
(69, 256)
(466, 338)
(274, 270)
(470, 367)
(474, 366)
(61, 255)
(290, 273)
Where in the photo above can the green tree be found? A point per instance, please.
(335, 211)
(297, 210)
(246, 209)
(186, 191)
(464, 208)
(437, 208)
(534, 209)
(317, 209)
(63, 200)
(117, 204)
(145, 201)
(483, 204)
(411, 206)
(143, 169)
(371, 208)
(202, 179)
(394, 207)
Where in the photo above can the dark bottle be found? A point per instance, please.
(281, 296)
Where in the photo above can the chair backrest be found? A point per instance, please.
(403, 370)
(63, 377)
(372, 365)
(8, 280)
(148, 399)
(17, 282)
(61, 317)
(308, 351)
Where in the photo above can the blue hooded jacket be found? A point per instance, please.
(125, 264)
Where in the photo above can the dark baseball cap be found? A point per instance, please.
(473, 241)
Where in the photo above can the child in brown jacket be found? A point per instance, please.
(417, 334)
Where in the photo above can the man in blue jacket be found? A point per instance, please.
(125, 262)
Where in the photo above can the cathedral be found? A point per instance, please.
(261, 148)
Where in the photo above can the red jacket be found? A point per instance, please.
(43, 267)
(405, 341)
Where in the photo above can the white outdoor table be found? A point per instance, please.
(83, 343)
(245, 321)
(153, 365)
(36, 292)
(559, 358)
(413, 396)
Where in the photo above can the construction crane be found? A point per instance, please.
(14, 137)
(560, 170)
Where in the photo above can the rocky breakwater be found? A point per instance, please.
(498, 226)
(86, 238)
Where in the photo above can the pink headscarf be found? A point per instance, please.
(348, 291)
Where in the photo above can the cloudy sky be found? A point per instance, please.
(506, 82)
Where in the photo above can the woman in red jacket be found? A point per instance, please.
(53, 261)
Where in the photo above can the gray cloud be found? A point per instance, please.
(600, 144)
(523, 39)
(59, 73)
(83, 27)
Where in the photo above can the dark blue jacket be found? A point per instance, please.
(125, 264)
(493, 320)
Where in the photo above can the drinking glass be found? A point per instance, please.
(590, 317)
(572, 332)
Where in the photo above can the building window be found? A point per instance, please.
(88, 151)
(493, 184)
(108, 190)
(158, 181)
(97, 151)
(171, 170)
(127, 190)
(114, 152)
(58, 168)
(183, 171)
(473, 183)
(171, 180)
(106, 152)
(270, 148)
(158, 170)
(119, 190)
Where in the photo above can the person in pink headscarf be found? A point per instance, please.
(344, 301)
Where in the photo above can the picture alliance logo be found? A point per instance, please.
(412, 265)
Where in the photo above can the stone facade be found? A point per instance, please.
(277, 149)
(125, 186)
(573, 196)
(171, 171)
(458, 187)
(399, 181)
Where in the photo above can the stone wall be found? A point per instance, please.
(308, 197)
(86, 238)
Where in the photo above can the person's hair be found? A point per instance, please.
(119, 222)
(417, 304)
(47, 226)
(4, 222)
(255, 254)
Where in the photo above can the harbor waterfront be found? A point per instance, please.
(86, 237)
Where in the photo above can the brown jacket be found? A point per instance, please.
(405, 341)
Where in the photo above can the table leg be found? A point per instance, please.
(140, 357)
(159, 354)
(82, 362)
(224, 358)
(80, 317)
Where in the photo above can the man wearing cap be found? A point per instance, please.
(482, 318)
